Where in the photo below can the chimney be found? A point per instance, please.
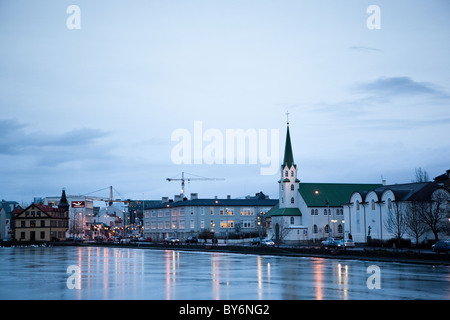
(228, 197)
(383, 182)
(165, 199)
(177, 197)
(194, 196)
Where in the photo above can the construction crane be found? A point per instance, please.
(183, 179)
(109, 200)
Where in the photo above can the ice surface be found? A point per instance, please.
(123, 273)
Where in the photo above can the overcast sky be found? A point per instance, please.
(86, 108)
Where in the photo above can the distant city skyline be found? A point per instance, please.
(96, 104)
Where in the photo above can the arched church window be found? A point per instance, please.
(292, 173)
(292, 220)
(316, 212)
(286, 174)
(315, 229)
(340, 228)
(292, 187)
(292, 200)
(312, 212)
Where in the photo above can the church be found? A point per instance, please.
(308, 211)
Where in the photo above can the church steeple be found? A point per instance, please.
(63, 203)
(288, 156)
(288, 183)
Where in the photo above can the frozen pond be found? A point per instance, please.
(122, 273)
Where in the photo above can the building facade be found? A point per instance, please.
(218, 218)
(7, 219)
(81, 214)
(398, 210)
(39, 222)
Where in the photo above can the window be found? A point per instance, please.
(42, 234)
(292, 220)
(192, 211)
(211, 224)
(292, 200)
(22, 224)
(202, 210)
(292, 187)
(246, 211)
(316, 212)
(226, 224)
(202, 224)
(325, 212)
(192, 224)
(212, 210)
(286, 173)
(327, 229)
(340, 228)
(42, 223)
(315, 229)
(292, 173)
(312, 212)
(248, 224)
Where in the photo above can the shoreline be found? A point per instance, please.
(366, 254)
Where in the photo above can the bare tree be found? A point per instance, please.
(415, 224)
(395, 221)
(434, 212)
(281, 231)
(421, 175)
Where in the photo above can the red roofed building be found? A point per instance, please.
(42, 223)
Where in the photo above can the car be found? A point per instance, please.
(191, 240)
(255, 242)
(172, 240)
(267, 243)
(441, 246)
(348, 243)
(333, 243)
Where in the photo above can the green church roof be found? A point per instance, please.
(277, 211)
(317, 194)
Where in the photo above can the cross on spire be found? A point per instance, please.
(287, 117)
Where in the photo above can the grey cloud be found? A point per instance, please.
(15, 140)
(386, 87)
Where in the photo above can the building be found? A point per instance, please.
(307, 211)
(443, 179)
(81, 214)
(219, 218)
(7, 219)
(394, 211)
(42, 223)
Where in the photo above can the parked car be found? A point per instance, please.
(267, 243)
(333, 243)
(172, 240)
(191, 240)
(255, 242)
(348, 243)
(441, 246)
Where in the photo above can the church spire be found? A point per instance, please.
(63, 203)
(288, 156)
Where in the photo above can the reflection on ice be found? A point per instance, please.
(122, 273)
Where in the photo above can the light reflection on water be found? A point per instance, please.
(121, 273)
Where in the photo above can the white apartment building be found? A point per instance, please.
(221, 218)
